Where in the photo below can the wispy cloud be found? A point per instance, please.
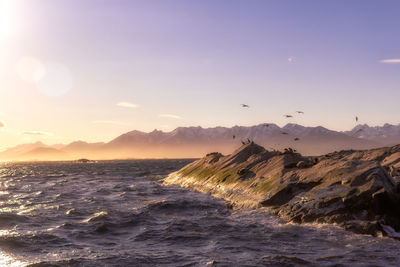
(37, 133)
(110, 122)
(172, 116)
(391, 61)
(127, 105)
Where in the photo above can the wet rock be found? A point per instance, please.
(355, 189)
(362, 227)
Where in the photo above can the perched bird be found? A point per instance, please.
(296, 139)
(249, 141)
(356, 118)
(284, 133)
(245, 106)
(300, 112)
(266, 125)
(288, 150)
(234, 136)
(243, 143)
(288, 116)
(359, 130)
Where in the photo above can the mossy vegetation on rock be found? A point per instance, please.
(356, 189)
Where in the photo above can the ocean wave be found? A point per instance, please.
(285, 260)
(122, 219)
(11, 219)
(33, 242)
(96, 216)
(184, 205)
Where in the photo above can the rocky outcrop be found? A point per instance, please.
(358, 190)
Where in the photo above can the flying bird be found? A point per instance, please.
(296, 139)
(300, 112)
(245, 106)
(288, 116)
(234, 136)
(284, 133)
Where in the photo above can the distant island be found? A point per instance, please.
(194, 142)
(85, 161)
(358, 190)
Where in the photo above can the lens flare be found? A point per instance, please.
(30, 69)
(57, 80)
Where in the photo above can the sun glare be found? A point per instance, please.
(6, 10)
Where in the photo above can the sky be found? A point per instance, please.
(94, 69)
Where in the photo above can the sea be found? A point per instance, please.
(119, 213)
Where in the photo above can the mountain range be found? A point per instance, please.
(194, 142)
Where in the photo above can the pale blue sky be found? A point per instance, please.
(194, 62)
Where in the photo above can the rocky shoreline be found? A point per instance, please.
(358, 190)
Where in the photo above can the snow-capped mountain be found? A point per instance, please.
(197, 141)
(386, 135)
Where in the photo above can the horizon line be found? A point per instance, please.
(212, 127)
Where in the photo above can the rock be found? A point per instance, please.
(245, 173)
(213, 157)
(393, 171)
(242, 171)
(362, 227)
(304, 164)
(389, 231)
(355, 189)
(301, 164)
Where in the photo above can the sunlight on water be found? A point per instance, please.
(6, 232)
(7, 260)
(86, 219)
